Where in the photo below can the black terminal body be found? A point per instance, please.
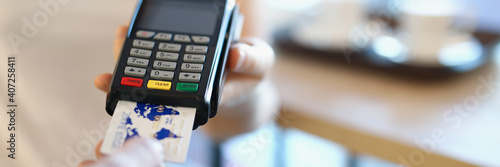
(153, 69)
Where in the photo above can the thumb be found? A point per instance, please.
(143, 152)
(251, 56)
(121, 35)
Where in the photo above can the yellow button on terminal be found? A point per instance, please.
(162, 85)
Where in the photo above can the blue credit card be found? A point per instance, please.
(172, 126)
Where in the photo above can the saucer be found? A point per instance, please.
(460, 51)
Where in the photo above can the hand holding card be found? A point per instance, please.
(144, 152)
(172, 126)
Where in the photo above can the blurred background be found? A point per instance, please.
(362, 83)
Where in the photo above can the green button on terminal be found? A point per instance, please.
(188, 87)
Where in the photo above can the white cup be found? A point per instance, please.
(428, 24)
(330, 28)
(338, 17)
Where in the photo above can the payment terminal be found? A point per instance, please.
(175, 54)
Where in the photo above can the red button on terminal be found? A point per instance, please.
(135, 82)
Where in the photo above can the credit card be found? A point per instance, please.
(172, 126)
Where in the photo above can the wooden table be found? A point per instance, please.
(452, 122)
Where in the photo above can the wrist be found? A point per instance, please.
(258, 107)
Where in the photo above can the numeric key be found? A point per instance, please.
(143, 44)
(132, 61)
(196, 49)
(190, 67)
(170, 47)
(162, 75)
(164, 65)
(192, 58)
(140, 53)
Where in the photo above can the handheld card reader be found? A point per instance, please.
(175, 54)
